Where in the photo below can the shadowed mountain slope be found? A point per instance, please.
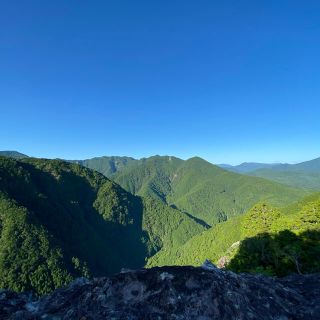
(60, 220)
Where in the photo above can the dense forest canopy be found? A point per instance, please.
(60, 220)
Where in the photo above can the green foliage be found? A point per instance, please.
(210, 244)
(287, 243)
(59, 220)
(258, 220)
(203, 190)
(88, 224)
(296, 207)
(264, 240)
(13, 154)
(296, 179)
(167, 228)
(279, 254)
(29, 257)
(107, 165)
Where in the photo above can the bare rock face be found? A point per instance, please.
(173, 293)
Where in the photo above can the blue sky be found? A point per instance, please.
(230, 81)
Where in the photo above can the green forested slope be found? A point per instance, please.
(297, 179)
(60, 220)
(203, 190)
(265, 240)
(167, 227)
(153, 176)
(210, 244)
(13, 154)
(107, 165)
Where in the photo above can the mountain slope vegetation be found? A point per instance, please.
(264, 240)
(304, 175)
(297, 179)
(107, 165)
(13, 154)
(59, 220)
(201, 189)
(306, 166)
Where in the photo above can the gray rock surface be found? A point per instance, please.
(173, 293)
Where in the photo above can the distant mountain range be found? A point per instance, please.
(246, 167)
(195, 186)
(305, 175)
(310, 166)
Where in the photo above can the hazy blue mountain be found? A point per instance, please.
(304, 175)
(13, 154)
(297, 179)
(246, 167)
(309, 166)
(306, 166)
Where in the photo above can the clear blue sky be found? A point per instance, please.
(229, 81)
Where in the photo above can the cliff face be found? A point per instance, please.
(173, 293)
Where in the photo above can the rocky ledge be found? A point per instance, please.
(173, 293)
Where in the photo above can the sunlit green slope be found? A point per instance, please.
(107, 165)
(203, 190)
(265, 239)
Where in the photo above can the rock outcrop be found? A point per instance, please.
(173, 293)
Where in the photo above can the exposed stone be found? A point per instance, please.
(208, 265)
(166, 276)
(223, 262)
(173, 293)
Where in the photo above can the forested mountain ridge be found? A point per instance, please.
(297, 179)
(60, 220)
(195, 186)
(13, 154)
(246, 167)
(305, 175)
(202, 189)
(107, 165)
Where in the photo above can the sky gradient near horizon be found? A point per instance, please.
(229, 81)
